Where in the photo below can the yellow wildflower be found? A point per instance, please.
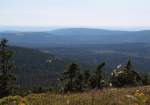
(22, 102)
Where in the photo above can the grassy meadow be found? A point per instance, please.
(111, 96)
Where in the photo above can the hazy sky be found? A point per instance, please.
(75, 12)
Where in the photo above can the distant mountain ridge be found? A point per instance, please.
(72, 36)
(84, 31)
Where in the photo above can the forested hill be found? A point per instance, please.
(57, 46)
(33, 66)
(71, 36)
(41, 67)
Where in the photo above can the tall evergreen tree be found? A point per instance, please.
(99, 75)
(129, 65)
(86, 77)
(133, 76)
(97, 78)
(93, 81)
(79, 82)
(6, 67)
(69, 76)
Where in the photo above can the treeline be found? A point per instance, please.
(72, 79)
(75, 79)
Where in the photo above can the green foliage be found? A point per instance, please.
(145, 79)
(6, 67)
(86, 76)
(92, 81)
(75, 80)
(70, 77)
(126, 76)
(129, 65)
(11, 100)
(97, 79)
(100, 75)
(79, 82)
(35, 68)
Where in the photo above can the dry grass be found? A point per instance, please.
(114, 96)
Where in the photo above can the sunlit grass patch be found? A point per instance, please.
(111, 96)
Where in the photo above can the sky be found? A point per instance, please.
(75, 12)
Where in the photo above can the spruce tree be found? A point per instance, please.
(86, 77)
(68, 78)
(99, 75)
(6, 67)
(133, 76)
(79, 82)
(97, 78)
(129, 65)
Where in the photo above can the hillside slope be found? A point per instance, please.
(35, 67)
(90, 56)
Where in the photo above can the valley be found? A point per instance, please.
(41, 56)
